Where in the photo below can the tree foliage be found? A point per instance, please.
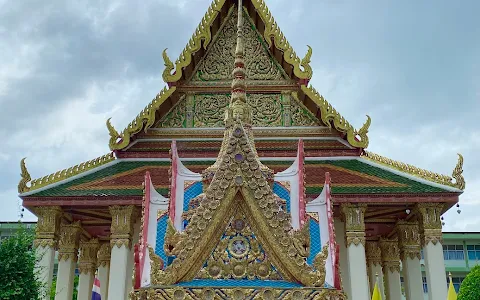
(470, 287)
(18, 275)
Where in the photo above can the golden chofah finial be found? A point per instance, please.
(25, 178)
(114, 135)
(457, 173)
(168, 66)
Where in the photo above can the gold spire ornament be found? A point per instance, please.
(457, 173)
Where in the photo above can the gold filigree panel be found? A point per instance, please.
(238, 255)
(301, 116)
(219, 61)
(175, 117)
(268, 110)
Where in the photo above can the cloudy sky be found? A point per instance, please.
(413, 66)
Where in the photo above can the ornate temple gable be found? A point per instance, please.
(238, 181)
(208, 110)
(259, 14)
(217, 64)
(274, 59)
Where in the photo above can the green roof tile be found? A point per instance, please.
(410, 186)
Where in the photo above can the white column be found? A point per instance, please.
(87, 264)
(104, 269)
(431, 239)
(355, 233)
(46, 240)
(391, 269)
(344, 272)
(121, 234)
(374, 265)
(67, 260)
(409, 242)
(135, 238)
(45, 261)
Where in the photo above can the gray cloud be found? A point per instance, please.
(67, 66)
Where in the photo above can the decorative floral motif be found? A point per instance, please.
(69, 238)
(175, 117)
(48, 226)
(191, 293)
(238, 255)
(430, 223)
(87, 262)
(354, 223)
(390, 255)
(408, 239)
(123, 218)
(219, 60)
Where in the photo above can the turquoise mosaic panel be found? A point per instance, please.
(161, 229)
(257, 283)
(315, 241)
(283, 193)
(191, 192)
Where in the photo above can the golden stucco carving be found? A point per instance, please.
(353, 215)
(123, 219)
(60, 175)
(422, 173)
(301, 67)
(104, 254)
(87, 261)
(69, 239)
(48, 226)
(24, 178)
(390, 252)
(238, 255)
(429, 215)
(268, 110)
(408, 239)
(329, 116)
(457, 173)
(202, 35)
(219, 60)
(144, 120)
(373, 253)
(239, 183)
(210, 293)
(176, 117)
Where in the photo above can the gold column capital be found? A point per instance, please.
(87, 262)
(354, 216)
(408, 239)
(48, 226)
(429, 217)
(123, 218)
(69, 238)
(390, 254)
(104, 254)
(373, 253)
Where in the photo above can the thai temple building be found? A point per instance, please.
(240, 181)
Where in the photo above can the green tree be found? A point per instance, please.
(18, 275)
(470, 287)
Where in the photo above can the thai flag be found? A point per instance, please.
(96, 290)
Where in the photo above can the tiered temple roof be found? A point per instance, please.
(285, 107)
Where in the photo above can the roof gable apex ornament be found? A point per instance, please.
(272, 34)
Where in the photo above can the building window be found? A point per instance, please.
(457, 281)
(473, 252)
(425, 286)
(453, 252)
